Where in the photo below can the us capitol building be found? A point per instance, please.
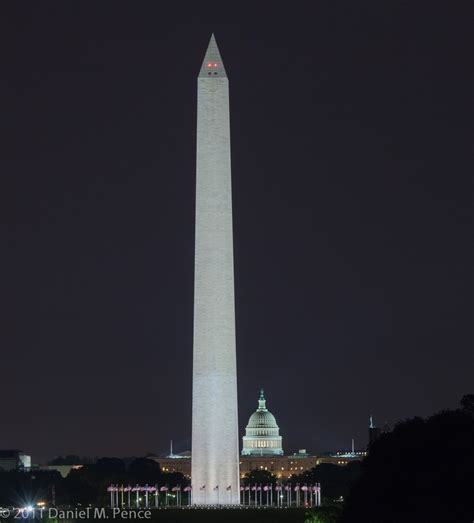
(262, 449)
(262, 434)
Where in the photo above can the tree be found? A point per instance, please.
(144, 470)
(259, 476)
(467, 403)
(107, 467)
(336, 480)
(75, 488)
(174, 479)
(91, 481)
(323, 515)
(421, 471)
(21, 488)
(70, 459)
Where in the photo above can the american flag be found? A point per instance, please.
(175, 489)
(136, 488)
(297, 487)
(247, 487)
(127, 489)
(304, 487)
(164, 489)
(266, 487)
(188, 489)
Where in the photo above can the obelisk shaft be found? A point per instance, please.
(215, 450)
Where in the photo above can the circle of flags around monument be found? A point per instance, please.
(256, 495)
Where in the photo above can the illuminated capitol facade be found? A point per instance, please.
(262, 434)
(262, 449)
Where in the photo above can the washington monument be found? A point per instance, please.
(215, 434)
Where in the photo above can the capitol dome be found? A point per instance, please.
(262, 434)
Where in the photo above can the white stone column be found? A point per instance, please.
(215, 448)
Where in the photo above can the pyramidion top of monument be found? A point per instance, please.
(212, 66)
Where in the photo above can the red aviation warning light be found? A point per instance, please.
(210, 64)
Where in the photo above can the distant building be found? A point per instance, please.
(262, 434)
(263, 450)
(374, 432)
(352, 454)
(14, 460)
(283, 467)
(175, 463)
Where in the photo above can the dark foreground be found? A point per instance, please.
(229, 515)
(222, 515)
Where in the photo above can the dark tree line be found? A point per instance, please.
(422, 471)
(87, 485)
(336, 480)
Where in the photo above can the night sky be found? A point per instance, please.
(352, 191)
